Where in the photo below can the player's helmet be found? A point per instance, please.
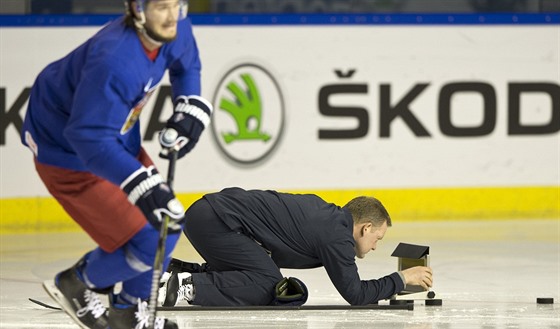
(140, 5)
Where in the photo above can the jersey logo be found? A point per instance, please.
(134, 113)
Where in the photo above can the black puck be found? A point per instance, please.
(434, 302)
(543, 300)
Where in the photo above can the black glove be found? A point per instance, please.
(290, 292)
(147, 190)
(190, 117)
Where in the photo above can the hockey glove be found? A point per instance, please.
(147, 190)
(290, 292)
(190, 117)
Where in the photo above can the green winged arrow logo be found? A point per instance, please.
(249, 119)
(246, 111)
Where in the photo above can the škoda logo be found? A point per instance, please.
(249, 114)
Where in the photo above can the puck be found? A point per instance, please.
(434, 302)
(543, 300)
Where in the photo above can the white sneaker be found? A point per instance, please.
(179, 288)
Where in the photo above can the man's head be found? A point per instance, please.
(370, 223)
(156, 19)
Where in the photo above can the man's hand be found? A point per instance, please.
(418, 276)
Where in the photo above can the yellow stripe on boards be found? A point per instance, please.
(44, 214)
(460, 203)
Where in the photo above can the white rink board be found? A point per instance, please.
(302, 60)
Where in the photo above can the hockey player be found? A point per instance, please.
(82, 127)
(246, 236)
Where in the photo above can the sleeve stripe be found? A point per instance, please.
(143, 187)
(194, 111)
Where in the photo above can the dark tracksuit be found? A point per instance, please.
(246, 236)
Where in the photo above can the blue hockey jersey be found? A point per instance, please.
(83, 109)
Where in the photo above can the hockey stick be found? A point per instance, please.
(409, 307)
(169, 136)
(40, 303)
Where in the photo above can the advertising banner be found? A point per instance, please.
(420, 114)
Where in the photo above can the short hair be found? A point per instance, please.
(129, 14)
(368, 209)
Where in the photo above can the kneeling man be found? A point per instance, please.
(246, 236)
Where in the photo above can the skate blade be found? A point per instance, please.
(58, 297)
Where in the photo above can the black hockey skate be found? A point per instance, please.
(79, 302)
(135, 316)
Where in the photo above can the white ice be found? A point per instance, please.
(488, 274)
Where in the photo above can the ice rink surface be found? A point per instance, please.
(488, 274)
